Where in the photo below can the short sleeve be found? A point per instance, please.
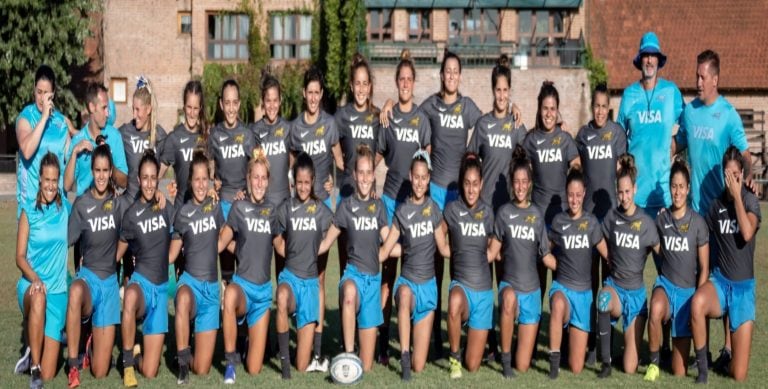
(168, 156)
(341, 216)
(75, 226)
(115, 142)
(381, 141)
(543, 240)
(474, 140)
(472, 112)
(702, 232)
(381, 217)
(571, 151)
(652, 234)
(499, 228)
(752, 205)
(620, 142)
(333, 131)
(179, 226)
(623, 119)
(281, 217)
(595, 233)
(605, 227)
(235, 214)
(326, 218)
(425, 130)
(736, 129)
(127, 231)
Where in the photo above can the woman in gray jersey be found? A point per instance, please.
(196, 229)
(733, 221)
(408, 132)
(631, 235)
(252, 227)
(684, 252)
(147, 228)
(519, 231)
(468, 222)
(573, 236)
(364, 220)
(551, 151)
(94, 294)
(415, 222)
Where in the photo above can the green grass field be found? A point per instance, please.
(435, 375)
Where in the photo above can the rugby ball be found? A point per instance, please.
(346, 369)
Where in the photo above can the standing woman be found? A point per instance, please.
(303, 221)
(684, 252)
(364, 220)
(196, 228)
(408, 132)
(631, 235)
(314, 132)
(230, 146)
(519, 231)
(733, 219)
(573, 235)
(552, 152)
(469, 225)
(415, 222)
(94, 295)
(41, 255)
(252, 224)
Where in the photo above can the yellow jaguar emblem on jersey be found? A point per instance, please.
(479, 215)
(372, 208)
(607, 136)
(507, 127)
(636, 225)
(208, 208)
(457, 109)
(414, 122)
(369, 118)
(684, 227)
(239, 138)
(155, 207)
(107, 206)
(557, 141)
(427, 211)
(530, 219)
(280, 132)
(265, 212)
(311, 208)
(583, 226)
(320, 131)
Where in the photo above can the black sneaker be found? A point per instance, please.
(723, 362)
(36, 380)
(183, 375)
(405, 366)
(285, 368)
(591, 358)
(605, 371)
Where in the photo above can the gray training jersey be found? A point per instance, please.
(450, 124)
(407, 133)
(523, 236)
(147, 229)
(96, 223)
(362, 221)
(134, 143)
(317, 140)
(735, 256)
(680, 242)
(417, 224)
(469, 230)
(177, 153)
(198, 225)
(629, 240)
(274, 140)
(303, 225)
(573, 241)
(354, 128)
(230, 150)
(550, 154)
(599, 149)
(255, 225)
(494, 140)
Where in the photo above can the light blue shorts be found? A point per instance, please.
(225, 207)
(55, 309)
(424, 293)
(369, 315)
(737, 298)
(679, 306)
(390, 205)
(442, 196)
(306, 293)
(528, 304)
(207, 301)
(580, 303)
(105, 297)
(480, 306)
(155, 304)
(258, 299)
(633, 303)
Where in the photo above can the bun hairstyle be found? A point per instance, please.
(547, 90)
(304, 162)
(103, 151)
(680, 166)
(363, 151)
(358, 61)
(733, 154)
(144, 92)
(520, 161)
(501, 70)
(259, 158)
(626, 168)
(405, 60)
(269, 81)
(600, 88)
(199, 157)
(49, 160)
(469, 161)
(575, 174)
(149, 157)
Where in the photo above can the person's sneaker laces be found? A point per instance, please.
(73, 378)
(35, 381)
(454, 368)
(723, 362)
(229, 374)
(183, 378)
(129, 377)
(652, 374)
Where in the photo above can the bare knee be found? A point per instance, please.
(231, 295)
(349, 294)
(37, 305)
(509, 305)
(283, 298)
(455, 301)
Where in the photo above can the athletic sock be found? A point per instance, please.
(128, 360)
(317, 344)
(604, 326)
(285, 357)
(232, 358)
(405, 365)
(184, 356)
(73, 362)
(506, 365)
(655, 357)
(456, 355)
(554, 364)
(703, 365)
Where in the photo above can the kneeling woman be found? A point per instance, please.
(147, 229)
(196, 228)
(364, 221)
(733, 219)
(41, 255)
(469, 224)
(303, 221)
(252, 223)
(519, 231)
(415, 221)
(574, 233)
(95, 221)
(631, 235)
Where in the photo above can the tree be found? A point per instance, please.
(35, 32)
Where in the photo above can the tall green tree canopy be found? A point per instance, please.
(35, 32)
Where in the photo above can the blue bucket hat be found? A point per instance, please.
(649, 44)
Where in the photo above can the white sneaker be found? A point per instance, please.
(319, 364)
(22, 365)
